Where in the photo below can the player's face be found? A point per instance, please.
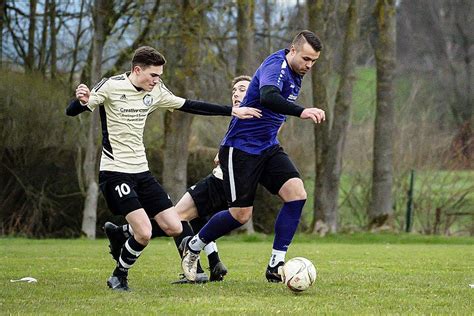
(148, 77)
(303, 58)
(238, 92)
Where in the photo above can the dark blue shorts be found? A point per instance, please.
(243, 171)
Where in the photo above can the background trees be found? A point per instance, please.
(49, 164)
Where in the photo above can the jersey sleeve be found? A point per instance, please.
(273, 73)
(98, 94)
(168, 100)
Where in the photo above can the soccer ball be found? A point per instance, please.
(298, 274)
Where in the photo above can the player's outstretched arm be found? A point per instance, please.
(204, 108)
(80, 104)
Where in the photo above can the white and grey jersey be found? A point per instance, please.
(123, 112)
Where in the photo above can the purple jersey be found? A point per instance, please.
(255, 135)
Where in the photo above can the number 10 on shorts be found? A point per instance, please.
(122, 189)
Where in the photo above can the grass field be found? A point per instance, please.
(357, 274)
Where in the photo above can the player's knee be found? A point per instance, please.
(174, 230)
(143, 236)
(243, 215)
(293, 190)
(300, 194)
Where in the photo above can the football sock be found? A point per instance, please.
(276, 257)
(130, 252)
(213, 259)
(196, 244)
(197, 223)
(156, 230)
(219, 225)
(212, 255)
(187, 231)
(286, 224)
(210, 248)
(127, 230)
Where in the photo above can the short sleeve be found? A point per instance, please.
(273, 73)
(98, 94)
(168, 100)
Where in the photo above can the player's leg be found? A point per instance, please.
(208, 198)
(241, 173)
(281, 177)
(216, 267)
(132, 249)
(122, 199)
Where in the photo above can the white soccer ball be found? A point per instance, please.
(298, 274)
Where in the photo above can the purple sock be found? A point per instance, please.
(219, 225)
(287, 223)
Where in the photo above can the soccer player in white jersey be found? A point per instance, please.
(201, 201)
(124, 102)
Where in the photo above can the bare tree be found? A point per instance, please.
(53, 43)
(78, 35)
(2, 18)
(319, 16)
(30, 57)
(331, 165)
(435, 40)
(381, 205)
(89, 218)
(178, 125)
(245, 37)
(124, 55)
(44, 39)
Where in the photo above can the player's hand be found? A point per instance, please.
(246, 112)
(83, 93)
(315, 114)
(216, 160)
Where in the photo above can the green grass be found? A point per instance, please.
(357, 274)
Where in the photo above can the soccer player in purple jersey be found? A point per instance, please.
(250, 154)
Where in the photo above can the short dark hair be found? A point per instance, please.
(309, 37)
(241, 78)
(146, 56)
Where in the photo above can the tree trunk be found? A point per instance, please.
(177, 124)
(381, 205)
(30, 58)
(2, 17)
(267, 22)
(245, 37)
(342, 109)
(77, 40)
(44, 40)
(89, 218)
(53, 31)
(318, 20)
(245, 55)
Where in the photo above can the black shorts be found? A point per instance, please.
(127, 192)
(243, 171)
(208, 196)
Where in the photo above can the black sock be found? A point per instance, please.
(213, 258)
(156, 230)
(198, 223)
(131, 250)
(187, 231)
